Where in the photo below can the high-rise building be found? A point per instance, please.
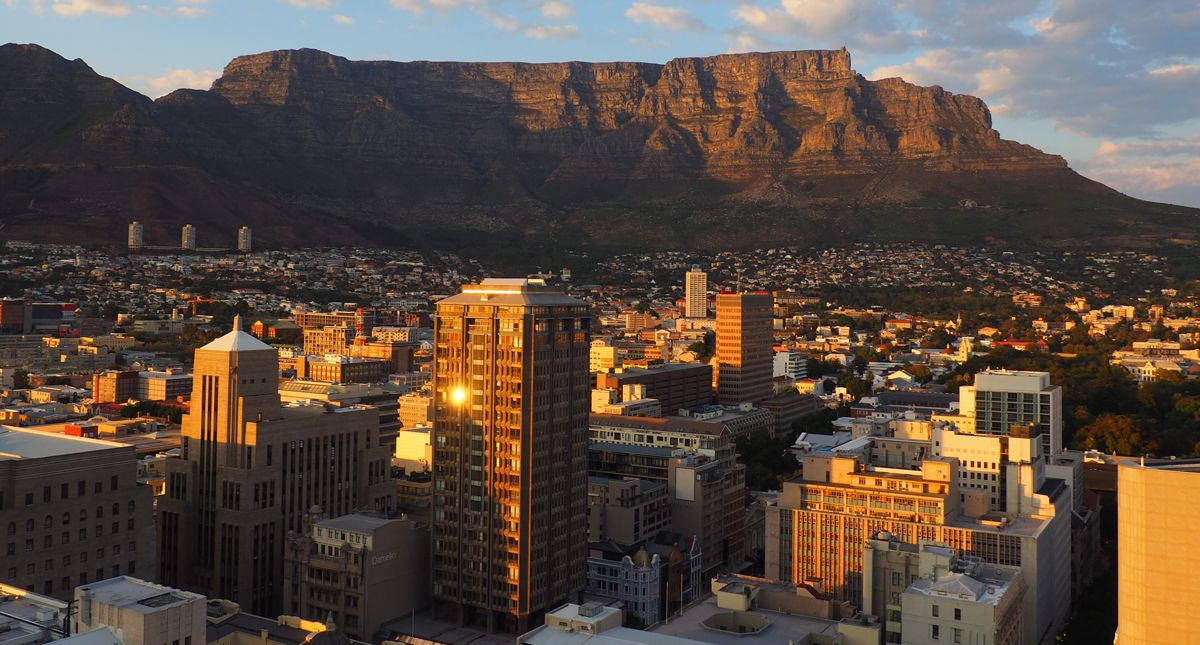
(188, 238)
(744, 360)
(1158, 552)
(72, 511)
(695, 288)
(510, 433)
(135, 235)
(244, 239)
(1001, 399)
(250, 470)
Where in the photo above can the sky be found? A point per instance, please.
(1111, 85)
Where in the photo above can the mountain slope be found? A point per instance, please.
(746, 149)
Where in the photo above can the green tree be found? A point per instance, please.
(20, 379)
(1114, 434)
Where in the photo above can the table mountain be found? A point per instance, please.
(721, 151)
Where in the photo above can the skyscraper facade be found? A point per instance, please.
(1158, 553)
(510, 433)
(188, 237)
(244, 239)
(695, 293)
(744, 347)
(251, 469)
(136, 240)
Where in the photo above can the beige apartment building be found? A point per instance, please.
(511, 399)
(626, 510)
(72, 512)
(251, 468)
(358, 570)
(1158, 553)
(745, 355)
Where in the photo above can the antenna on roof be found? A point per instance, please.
(237, 322)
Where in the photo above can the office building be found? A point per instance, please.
(1001, 399)
(335, 368)
(511, 399)
(695, 288)
(817, 529)
(603, 357)
(72, 512)
(140, 612)
(187, 240)
(744, 347)
(243, 240)
(1158, 552)
(251, 468)
(357, 570)
(676, 386)
(136, 235)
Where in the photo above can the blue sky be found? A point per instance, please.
(1112, 85)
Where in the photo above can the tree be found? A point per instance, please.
(20, 379)
(1114, 434)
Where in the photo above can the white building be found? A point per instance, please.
(1001, 399)
(791, 363)
(696, 293)
(188, 237)
(953, 601)
(244, 239)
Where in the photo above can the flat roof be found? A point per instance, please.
(138, 595)
(355, 522)
(23, 443)
(782, 628)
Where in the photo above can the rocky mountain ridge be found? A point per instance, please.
(309, 148)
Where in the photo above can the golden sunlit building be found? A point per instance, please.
(817, 530)
(511, 401)
(745, 357)
(252, 468)
(1158, 553)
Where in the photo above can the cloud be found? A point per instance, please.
(311, 4)
(867, 24)
(664, 17)
(412, 6)
(177, 78)
(550, 32)
(557, 10)
(75, 8)
(342, 20)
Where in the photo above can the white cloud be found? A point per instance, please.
(412, 6)
(342, 20)
(81, 7)
(311, 4)
(550, 32)
(664, 17)
(177, 78)
(557, 10)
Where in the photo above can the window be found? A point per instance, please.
(45, 493)
(935, 631)
(957, 635)
(112, 482)
(957, 614)
(82, 488)
(116, 508)
(66, 519)
(12, 528)
(935, 611)
(64, 491)
(99, 512)
(48, 522)
(99, 487)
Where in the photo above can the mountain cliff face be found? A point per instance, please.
(314, 148)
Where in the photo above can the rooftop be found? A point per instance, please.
(21, 443)
(237, 341)
(780, 628)
(137, 595)
(356, 522)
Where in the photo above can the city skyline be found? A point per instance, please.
(1043, 68)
